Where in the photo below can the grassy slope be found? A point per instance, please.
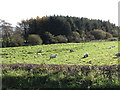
(99, 54)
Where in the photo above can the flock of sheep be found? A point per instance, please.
(72, 50)
(55, 55)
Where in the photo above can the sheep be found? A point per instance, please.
(53, 56)
(117, 54)
(71, 50)
(40, 51)
(86, 55)
(111, 47)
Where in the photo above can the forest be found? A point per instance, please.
(56, 29)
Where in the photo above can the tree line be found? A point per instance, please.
(56, 29)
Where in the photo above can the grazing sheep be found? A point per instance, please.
(53, 56)
(86, 55)
(40, 51)
(117, 54)
(111, 47)
(71, 50)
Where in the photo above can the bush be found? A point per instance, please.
(49, 38)
(108, 35)
(115, 33)
(3, 44)
(34, 39)
(98, 34)
(61, 39)
(17, 40)
(112, 39)
(74, 37)
(90, 37)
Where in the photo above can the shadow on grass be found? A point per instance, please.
(116, 57)
(73, 81)
(61, 77)
(45, 81)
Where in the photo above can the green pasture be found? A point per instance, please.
(99, 54)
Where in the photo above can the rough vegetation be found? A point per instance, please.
(60, 76)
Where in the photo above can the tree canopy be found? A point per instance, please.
(57, 29)
(66, 25)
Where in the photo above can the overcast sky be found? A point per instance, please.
(14, 11)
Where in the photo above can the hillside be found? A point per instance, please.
(100, 54)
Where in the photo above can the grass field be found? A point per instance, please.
(23, 68)
(99, 54)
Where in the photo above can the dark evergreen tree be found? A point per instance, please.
(65, 25)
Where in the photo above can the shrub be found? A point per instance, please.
(3, 44)
(112, 39)
(17, 40)
(108, 35)
(34, 39)
(74, 37)
(98, 34)
(61, 39)
(49, 38)
(90, 37)
(115, 33)
(83, 35)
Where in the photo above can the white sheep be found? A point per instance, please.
(53, 56)
(86, 55)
